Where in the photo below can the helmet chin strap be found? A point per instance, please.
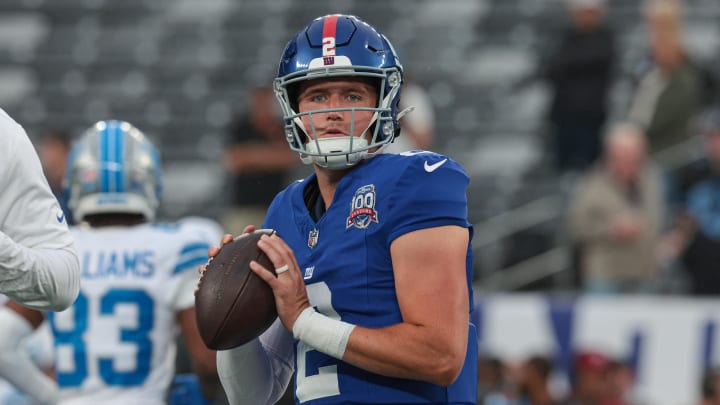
(331, 145)
(338, 144)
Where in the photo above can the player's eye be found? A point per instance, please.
(353, 97)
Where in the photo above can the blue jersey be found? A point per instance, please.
(345, 259)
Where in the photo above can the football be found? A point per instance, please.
(234, 305)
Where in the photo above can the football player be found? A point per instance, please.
(373, 250)
(117, 342)
(38, 265)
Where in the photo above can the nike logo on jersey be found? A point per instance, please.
(60, 217)
(431, 168)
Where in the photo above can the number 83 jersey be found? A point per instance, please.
(116, 344)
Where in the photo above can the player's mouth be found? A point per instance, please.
(332, 133)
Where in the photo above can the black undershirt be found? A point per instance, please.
(313, 200)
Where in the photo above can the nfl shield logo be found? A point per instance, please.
(313, 238)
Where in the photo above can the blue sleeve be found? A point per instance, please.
(196, 236)
(191, 255)
(703, 207)
(425, 198)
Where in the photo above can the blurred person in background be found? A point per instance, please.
(672, 88)
(579, 72)
(494, 387)
(616, 214)
(698, 230)
(257, 161)
(710, 387)
(589, 382)
(137, 286)
(53, 148)
(621, 384)
(533, 382)
(418, 126)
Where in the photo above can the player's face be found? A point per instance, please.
(337, 93)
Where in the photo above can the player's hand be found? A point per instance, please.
(288, 287)
(214, 250)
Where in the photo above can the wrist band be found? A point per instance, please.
(324, 334)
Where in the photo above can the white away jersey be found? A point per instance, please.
(116, 344)
(37, 262)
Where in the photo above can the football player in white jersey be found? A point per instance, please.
(116, 344)
(38, 265)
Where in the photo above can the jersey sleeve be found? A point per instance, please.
(196, 236)
(16, 365)
(38, 264)
(259, 371)
(430, 192)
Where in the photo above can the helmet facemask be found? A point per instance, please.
(346, 151)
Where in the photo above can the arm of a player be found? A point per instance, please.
(431, 342)
(40, 278)
(38, 264)
(259, 371)
(203, 359)
(15, 364)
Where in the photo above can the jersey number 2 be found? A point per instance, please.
(323, 382)
(138, 335)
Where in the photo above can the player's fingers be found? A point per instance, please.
(249, 228)
(284, 250)
(262, 272)
(274, 251)
(213, 251)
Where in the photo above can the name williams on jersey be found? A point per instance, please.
(112, 263)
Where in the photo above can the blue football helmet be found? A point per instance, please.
(332, 46)
(113, 168)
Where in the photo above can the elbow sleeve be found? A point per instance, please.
(44, 279)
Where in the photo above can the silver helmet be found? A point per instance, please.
(113, 168)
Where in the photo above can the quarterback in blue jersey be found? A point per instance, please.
(116, 344)
(372, 250)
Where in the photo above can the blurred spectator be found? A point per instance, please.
(53, 148)
(258, 161)
(621, 383)
(615, 215)
(589, 379)
(534, 382)
(579, 72)
(710, 388)
(672, 88)
(418, 126)
(702, 230)
(492, 382)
